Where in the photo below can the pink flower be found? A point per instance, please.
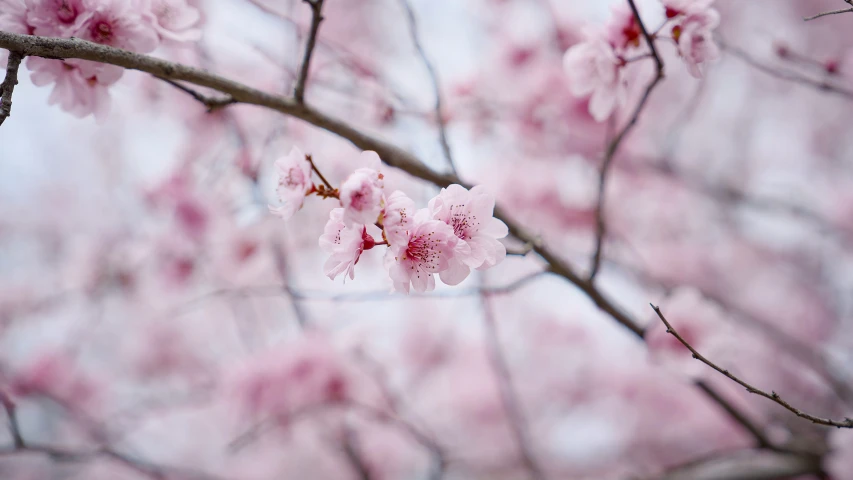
(344, 244)
(428, 248)
(172, 19)
(75, 92)
(294, 182)
(56, 18)
(398, 217)
(622, 30)
(695, 22)
(13, 16)
(117, 24)
(361, 192)
(594, 70)
(470, 213)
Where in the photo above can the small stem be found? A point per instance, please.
(317, 171)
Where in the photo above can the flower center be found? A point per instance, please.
(65, 13)
(294, 177)
(422, 250)
(102, 32)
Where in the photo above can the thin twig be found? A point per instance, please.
(210, 102)
(773, 396)
(316, 18)
(509, 399)
(787, 75)
(8, 85)
(436, 85)
(824, 14)
(610, 153)
(317, 171)
(390, 154)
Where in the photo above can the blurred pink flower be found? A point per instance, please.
(13, 16)
(56, 18)
(76, 93)
(294, 182)
(55, 375)
(174, 20)
(594, 70)
(470, 213)
(344, 244)
(361, 192)
(428, 248)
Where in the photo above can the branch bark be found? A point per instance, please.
(316, 18)
(8, 85)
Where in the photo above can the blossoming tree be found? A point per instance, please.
(399, 239)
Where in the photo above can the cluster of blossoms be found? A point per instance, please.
(81, 87)
(453, 234)
(595, 66)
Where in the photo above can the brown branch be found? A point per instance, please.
(746, 464)
(8, 85)
(773, 396)
(834, 12)
(436, 85)
(509, 399)
(786, 75)
(390, 154)
(613, 147)
(302, 78)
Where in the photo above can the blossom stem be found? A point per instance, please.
(317, 171)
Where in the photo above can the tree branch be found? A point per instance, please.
(8, 85)
(14, 428)
(773, 396)
(739, 417)
(436, 85)
(210, 102)
(316, 18)
(746, 465)
(390, 154)
(834, 12)
(613, 147)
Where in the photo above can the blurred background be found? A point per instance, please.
(157, 322)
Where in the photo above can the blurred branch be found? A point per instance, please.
(739, 417)
(509, 399)
(613, 147)
(748, 464)
(773, 396)
(834, 12)
(436, 85)
(8, 85)
(351, 451)
(316, 18)
(786, 75)
(390, 154)
(11, 413)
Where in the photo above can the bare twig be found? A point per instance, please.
(773, 396)
(390, 154)
(316, 18)
(8, 85)
(824, 14)
(436, 85)
(613, 147)
(787, 75)
(351, 451)
(509, 399)
(746, 464)
(210, 102)
(317, 171)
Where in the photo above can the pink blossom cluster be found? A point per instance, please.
(80, 87)
(595, 67)
(456, 232)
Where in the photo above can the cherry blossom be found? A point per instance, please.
(345, 244)
(361, 192)
(470, 214)
(694, 33)
(428, 248)
(294, 182)
(75, 92)
(397, 217)
(174, 20)
(116, 23)
(593, 69)
(13, 16)
(57, 18)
